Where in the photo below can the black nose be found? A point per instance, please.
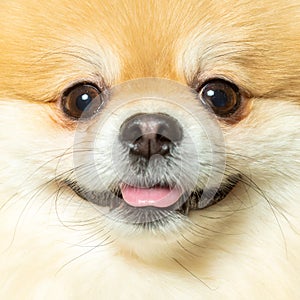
(149, 134)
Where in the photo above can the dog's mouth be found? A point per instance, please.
(159, 177)
(141, 205)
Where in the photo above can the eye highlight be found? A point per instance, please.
(223, 97)
(82, 101)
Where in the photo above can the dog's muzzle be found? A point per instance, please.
(162, 160)
(146, 136)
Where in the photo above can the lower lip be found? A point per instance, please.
(155, 197)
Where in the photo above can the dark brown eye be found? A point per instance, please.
(222, 96)
(82, 101)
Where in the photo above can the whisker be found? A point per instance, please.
(191, 273)
(104, 243)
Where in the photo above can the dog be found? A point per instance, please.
(150, 149)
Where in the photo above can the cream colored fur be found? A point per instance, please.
(55, 245)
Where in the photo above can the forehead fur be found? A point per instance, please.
(47, 45)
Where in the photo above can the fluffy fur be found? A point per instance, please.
(54, 245)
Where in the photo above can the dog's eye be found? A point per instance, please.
(82, 101)
(222, 96)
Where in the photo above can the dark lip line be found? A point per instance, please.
(114, 200)
(217, 196)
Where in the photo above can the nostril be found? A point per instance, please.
(149, 134)
(170, 130)
(130, 132)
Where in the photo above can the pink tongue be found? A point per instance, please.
(157, 196)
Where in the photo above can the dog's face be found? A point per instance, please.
(159, 120)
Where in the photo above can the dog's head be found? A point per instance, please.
(155, 117)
